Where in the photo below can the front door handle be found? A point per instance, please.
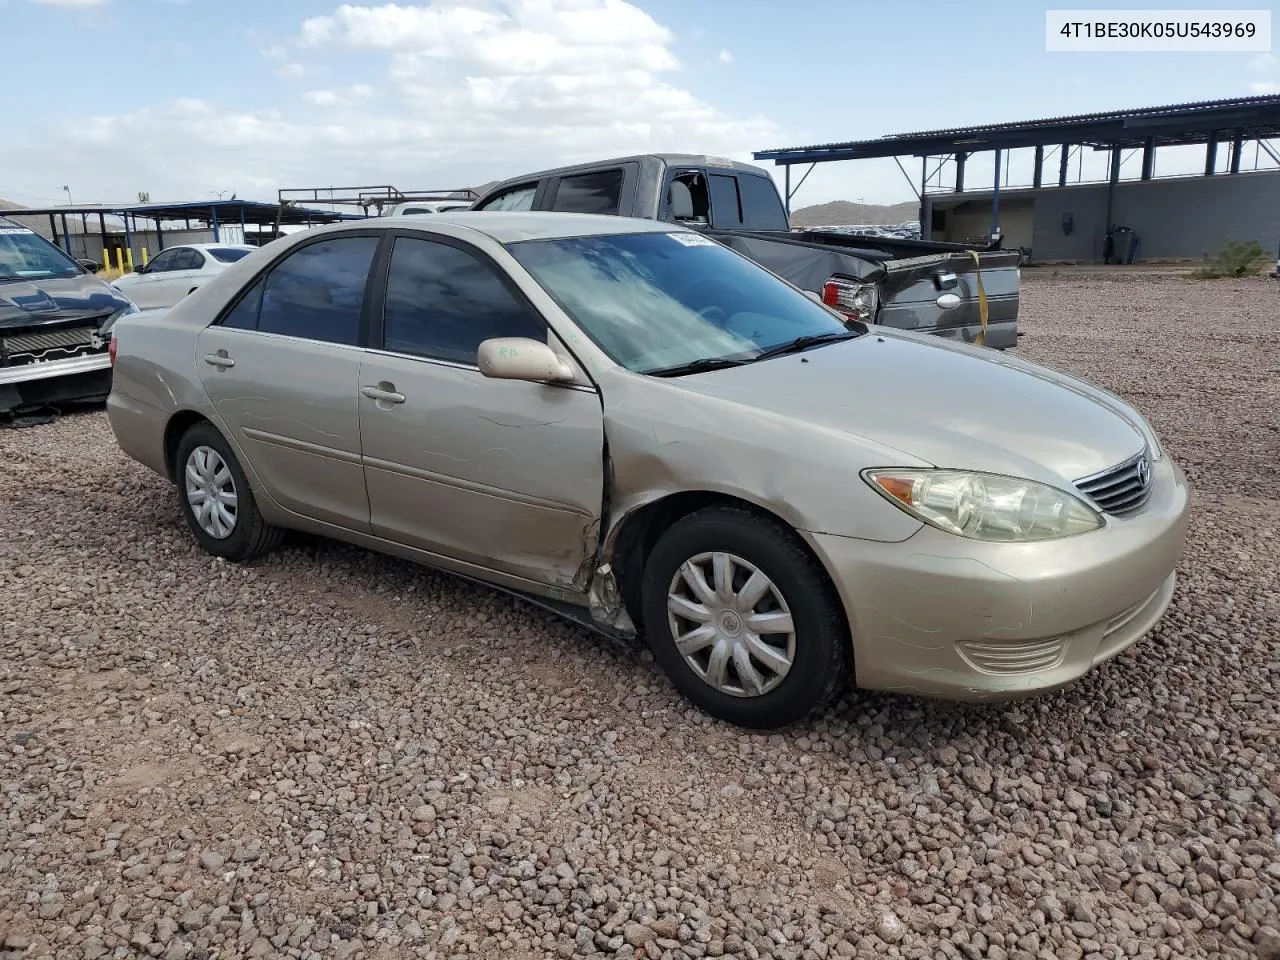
(383, 393)
(219, 360)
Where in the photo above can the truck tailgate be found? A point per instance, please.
(912, 288)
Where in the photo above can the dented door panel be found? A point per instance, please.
(504, 474)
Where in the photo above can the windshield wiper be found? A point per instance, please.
(804, 343)
(697, 366)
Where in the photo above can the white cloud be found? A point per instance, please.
(1264, 87)
(1264, 63)
(331, 98)
(291, 70)
(71, 4)
(725, 56)
(472, 90)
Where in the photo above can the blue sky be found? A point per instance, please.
(185, 98)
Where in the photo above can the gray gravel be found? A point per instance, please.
(332, 754)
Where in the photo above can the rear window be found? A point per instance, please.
(726, 207)
(227, 254)
(596, 192)
(761, 206)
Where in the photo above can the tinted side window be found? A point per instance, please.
(193, 261)
(165, 261)
(726, 209)
(442, 302)
(244, 315)
(761, 207)
(518, 198)
(316, 292)
(596, 192)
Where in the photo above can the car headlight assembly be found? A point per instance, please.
(985, 506)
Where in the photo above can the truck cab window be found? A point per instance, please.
(688, 198)
(597, 192)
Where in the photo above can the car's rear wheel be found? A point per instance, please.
(743, 619)
(215, 498)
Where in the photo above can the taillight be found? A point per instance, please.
(111, 350)
(857, 301)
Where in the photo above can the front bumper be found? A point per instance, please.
(940, 615)
(77, 379)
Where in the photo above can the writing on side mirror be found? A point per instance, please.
(520, 358)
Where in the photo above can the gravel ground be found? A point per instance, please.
(332, 754)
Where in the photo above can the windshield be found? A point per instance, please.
(655, 301)
(25, 255)
(227, 254)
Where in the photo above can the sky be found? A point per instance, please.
(186, 99)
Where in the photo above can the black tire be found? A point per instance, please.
(820, 664)
(251, 536)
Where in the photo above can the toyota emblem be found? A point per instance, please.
(1144, 472)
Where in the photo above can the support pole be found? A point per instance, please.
(1149, 158)
(1211, 155)
(53, 228)
(1237, 147)
(1111, 185)
(66, 236)
(213, 218)
(1063, 160)
(924, 187)
(159, 236)
(1037, 173)
(102, 232)
(995, 198)
(960, 159)
(786, 173)
(128, 238)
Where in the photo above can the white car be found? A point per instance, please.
(176, 272)
(410, 207)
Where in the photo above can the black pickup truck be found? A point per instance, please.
(939, 288)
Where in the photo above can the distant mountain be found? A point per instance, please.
(845, 211)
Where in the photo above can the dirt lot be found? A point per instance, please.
(331, 754)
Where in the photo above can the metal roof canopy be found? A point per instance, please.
(1184, 123)
(212, 213)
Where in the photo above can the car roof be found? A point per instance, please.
(516, 225)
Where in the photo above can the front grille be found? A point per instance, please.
(54, 345)
(1014, 657)
(1121, 489)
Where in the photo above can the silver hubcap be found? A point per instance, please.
(731, 624)
(211, 491)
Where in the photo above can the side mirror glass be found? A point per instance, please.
(91, 265)
(520, 358)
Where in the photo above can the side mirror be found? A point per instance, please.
(520, 358)
(93, 266)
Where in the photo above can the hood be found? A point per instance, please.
(950, 405)
(56, 301)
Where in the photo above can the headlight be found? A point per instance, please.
(985, 506)
(105, 329)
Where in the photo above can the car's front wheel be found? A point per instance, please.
(743, 619)
(215, 498)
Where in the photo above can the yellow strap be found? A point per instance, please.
(982, 298)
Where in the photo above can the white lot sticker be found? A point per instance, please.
(15, 230)
(692, 239)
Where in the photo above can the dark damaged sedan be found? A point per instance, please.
(55, 324)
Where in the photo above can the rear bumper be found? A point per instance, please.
(939, 615)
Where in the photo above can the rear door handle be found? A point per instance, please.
(219, 360)
(383, 395)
